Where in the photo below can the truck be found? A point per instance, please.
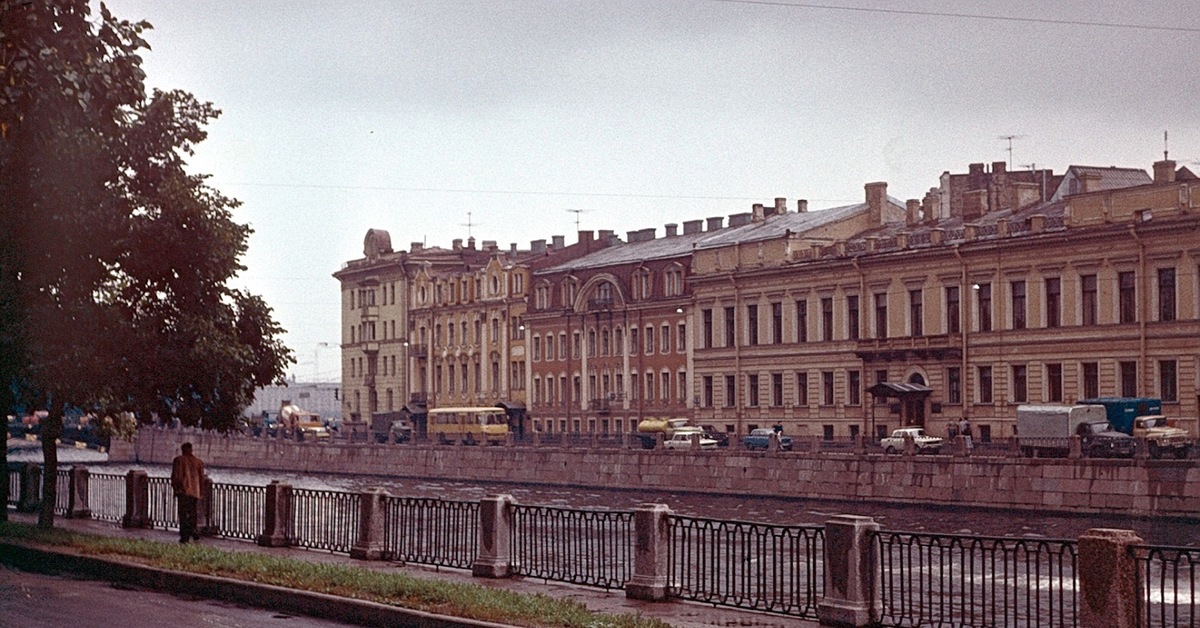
(649, 429)
(1142, 418)
(1046, 430)
(301, 424)
(391, 427)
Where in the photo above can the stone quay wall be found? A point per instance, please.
(1155, 488)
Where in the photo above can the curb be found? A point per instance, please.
(266, 596)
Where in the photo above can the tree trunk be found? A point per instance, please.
(51, 430)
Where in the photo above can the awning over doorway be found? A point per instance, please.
(899, 390)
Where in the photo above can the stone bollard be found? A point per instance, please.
(277, 516)
(31, 488)
(510, 439)
(735, 442)
(694, 442)
(860, 445)
(910, 445)
(1110, 579)
(773, 442)
(495, 537)
(137, 500)
(372, 508)
(1142, 452)
(535, 438)
(1014, 447)
(206, 522)
(816, 444)
(652, 539)
(77, 501)
(852, 596)
(595, 440)
(1075, 449)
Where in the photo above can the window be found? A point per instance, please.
(802, 389)
(881, 377)
(852, 323)
(752, 390)
(730, 391)
(591, 343)
(1020, 383)
(777, 389)
(1091, 380)
(751, 325)
(1168, 390)
(605, 341)
(1088, 303)
(707, 381)
(1166, 294)
(664, 386)
(635, 343)
(777, 323)
(915, 313)
(562, 346)
(1017, 293)
(729, 330)
(1128, 379)
(549, 348)
(619, 341)
(827, 319)
(983, 300)
(664, 339)
(682, 387)
(1127, 286)
(649, 340)
(576, 342)
(827, 388)
(802, 320)
(881, 315)
(954, 385)
(854, 388)
(985, 384)
(1053, 302)
(706, 322)
(1054, 382)
(953, 315)
(681, 338)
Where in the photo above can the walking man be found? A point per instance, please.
(187, 474)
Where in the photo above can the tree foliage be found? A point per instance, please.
(115, 262)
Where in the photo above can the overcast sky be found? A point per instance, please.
(420, 117)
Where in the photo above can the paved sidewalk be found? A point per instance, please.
(682, 614)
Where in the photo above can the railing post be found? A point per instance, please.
(773, 442)
(137, 500)
(1075, 450)
(910, 445)
(652, 539)
(816, 444)
(77, 501)
(205, 520)
(277, 518)
(1142, 451)
(1110, 579)
(735, 441)
(31, 488)
(860, 445)
(495, 537)
(372, 507)
(852, 596)
(694, 442)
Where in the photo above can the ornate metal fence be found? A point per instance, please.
(431, 531)
(1169, 588)
(14, 486)
(106, 496)
(237, 511)
(590, 547)
(62, 491)
(773, 568)
(324, 520)
(959, 580)
(162, 509)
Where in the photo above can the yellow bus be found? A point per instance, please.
(488, 425)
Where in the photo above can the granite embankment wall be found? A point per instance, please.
(1166, 488)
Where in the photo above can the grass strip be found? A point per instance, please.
(447, 598)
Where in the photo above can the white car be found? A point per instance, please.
(683, 440)
(924, 442)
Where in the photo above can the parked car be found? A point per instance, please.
(925, 443)
(682, 439)
(722, 438)
(1100, 440)
(761, 439)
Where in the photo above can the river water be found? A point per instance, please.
(788, 511)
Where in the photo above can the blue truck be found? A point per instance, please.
(1123, 410)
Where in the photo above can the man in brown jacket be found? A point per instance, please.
(187, 475)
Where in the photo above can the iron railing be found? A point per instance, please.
(431, 531)
(960, 580)
(62, 492)
(773, 568)
(324, 520)
(14, 486)
(106, 496)
(590, 547)
(162, 508)
(1169, 586)
(237, 511)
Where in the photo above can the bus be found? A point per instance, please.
(486, 425)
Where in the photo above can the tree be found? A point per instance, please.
(117, 259)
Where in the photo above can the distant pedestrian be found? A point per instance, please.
(964, 430)
(187, 475)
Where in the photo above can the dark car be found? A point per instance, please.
(722, 438)
(761, 439)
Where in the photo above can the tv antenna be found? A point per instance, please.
(577, 212)
(1010, 139)
(468, 224)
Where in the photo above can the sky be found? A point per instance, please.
(516, 121)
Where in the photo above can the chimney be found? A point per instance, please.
(457, 244)
(876, 199)
(560, 242)
(975, 169)
(974, 204)
(585, 236)
(1037, 223)
(512, 248)
(737, 220)
(606, 235)
(1089, 182)
(692, 226)
(471, 243)
(780, 206)
(537, 246)
(672, 229)
(802, 206)
(912, 217)
(757, 214)
(999, 167)
(416, 247)
(715, 223)
(489, 245)
(1164, 171)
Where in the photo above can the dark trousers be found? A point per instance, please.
(188, 506)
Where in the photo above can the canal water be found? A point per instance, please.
(787, 511)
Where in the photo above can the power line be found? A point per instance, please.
(967, 16)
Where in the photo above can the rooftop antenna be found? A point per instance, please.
(577, 212)
(1010, 139)
(468, 224)
(1164, 145)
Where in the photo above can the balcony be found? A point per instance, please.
(600, 303)
(418, 351)
(943, 348)
(370, 312)
(371, 346)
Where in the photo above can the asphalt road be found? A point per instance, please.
(29, 600)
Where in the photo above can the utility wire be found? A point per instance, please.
(967, 16)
